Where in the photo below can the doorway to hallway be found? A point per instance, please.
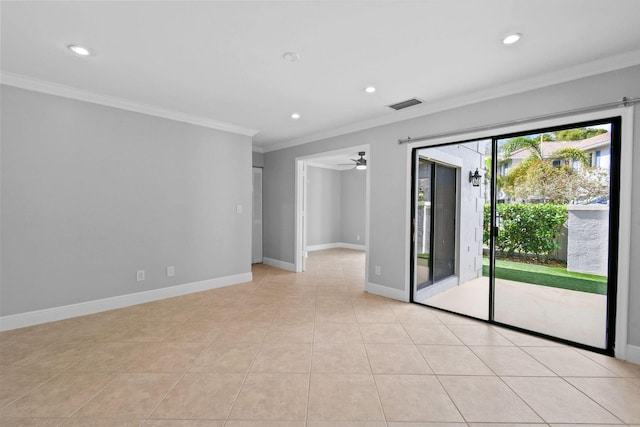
(332, 203)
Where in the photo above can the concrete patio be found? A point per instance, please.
(571, 315)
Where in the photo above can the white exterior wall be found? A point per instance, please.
(587, 245)
(470, 204)
(605, 158)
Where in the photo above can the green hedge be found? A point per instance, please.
(528, 229)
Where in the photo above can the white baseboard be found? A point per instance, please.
(279, 264)
(325, 246)
(386, 291)
(353, 246)
(633, 354)
(53, 314)
(321, 247)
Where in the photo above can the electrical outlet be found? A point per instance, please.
(238, 209)
(377, 270)
(358, 237)
(171, 271)
(140, 275)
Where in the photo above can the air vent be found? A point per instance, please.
(405, 104)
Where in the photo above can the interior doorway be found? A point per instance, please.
(332, 203)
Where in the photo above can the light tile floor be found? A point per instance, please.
(302, 350)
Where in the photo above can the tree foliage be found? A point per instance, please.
(577, 134)
(571, 153)
(537, 179)
(522, 142)
(540, 181)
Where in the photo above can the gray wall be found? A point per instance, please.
(323, 205)
(336, 205)
(388, 162)
(353, 206)
(257, 159)
(90, 194)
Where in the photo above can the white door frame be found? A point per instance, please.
(254, 257)
(300, 202)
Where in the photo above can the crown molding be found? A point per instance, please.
(37, 85)
(564, 75)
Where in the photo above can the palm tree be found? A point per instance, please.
(536, 177)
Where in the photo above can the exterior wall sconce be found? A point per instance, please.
(474, 178)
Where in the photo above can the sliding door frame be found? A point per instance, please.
(614, 322)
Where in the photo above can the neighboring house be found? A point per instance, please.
(597, 149)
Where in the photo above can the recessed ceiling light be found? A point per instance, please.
(291, 56)
(370, 89)
(79, 50)
(295, 116)
(512, 38)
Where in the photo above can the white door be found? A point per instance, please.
(256, 235)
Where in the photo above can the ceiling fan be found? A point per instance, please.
(360, 164)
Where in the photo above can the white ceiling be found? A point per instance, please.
(220, 63)
(338, 161)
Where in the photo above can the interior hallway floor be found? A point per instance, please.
(294, 350)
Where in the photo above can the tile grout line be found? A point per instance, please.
(375, 383)
(116, 375)
(162, 400)
(255, 357)
(313, 343)
(164, 397)
(36, 387)
(549, 368)
(440, 382)
(490, 369)
(590, 398)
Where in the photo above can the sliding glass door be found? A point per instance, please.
(554, 236)
(437, 206)
(519, 230)
(448, 231)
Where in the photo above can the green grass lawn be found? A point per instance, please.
(555, 277)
